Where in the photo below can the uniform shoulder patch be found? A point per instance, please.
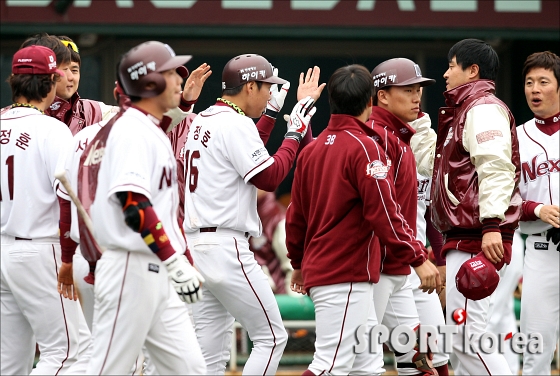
(488, 136)
(377, 169)
(153, 268)
(259, 154)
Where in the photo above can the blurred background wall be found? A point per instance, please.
(293, 35)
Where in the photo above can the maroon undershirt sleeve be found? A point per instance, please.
(435, 238)
(67, 245)
(270, 178)
(265, 125)
(528, 210)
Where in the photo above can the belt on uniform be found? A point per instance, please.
(214, 229)
(18, 238)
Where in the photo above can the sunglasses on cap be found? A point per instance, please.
(71, 45)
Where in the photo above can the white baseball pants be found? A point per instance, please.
(339, 310)
(501, 305)
(33, 310)
(430, 313)
(463, 359)
(540, 303)
(235, 289)
(394, 303)
(136, 305)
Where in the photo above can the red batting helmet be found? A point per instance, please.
(246, 68)
(478, 278)
(398, 72)
(143, 65)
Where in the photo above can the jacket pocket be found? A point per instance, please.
(450, 195)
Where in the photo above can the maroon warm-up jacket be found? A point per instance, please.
(343, 199)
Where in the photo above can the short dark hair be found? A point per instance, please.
(74, 56)
(547, 60)
(236, 90)
(31, 86)
(61, 52)
(475, 51)
(350, 90)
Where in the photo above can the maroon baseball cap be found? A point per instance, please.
(477, 278)
(399, 72)
(246, 68)
(35, 60)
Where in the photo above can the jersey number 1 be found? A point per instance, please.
(10, 163)
(191, 172)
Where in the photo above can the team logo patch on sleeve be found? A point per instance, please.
(488, 136)
(259, 155)
(377, 170)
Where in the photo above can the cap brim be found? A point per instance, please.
(59, 72)
(274, 80)
(174, 62)
(423, 81)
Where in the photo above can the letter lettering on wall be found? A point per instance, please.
(454, 5)
(314, 4)
(517, 6)
(173, 3)
(245, 4)
(82, 3)
(405, 5)
(125, 3)
(27, 3)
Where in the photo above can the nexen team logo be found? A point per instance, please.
(55, 106)
(377, 170)
(95, 155)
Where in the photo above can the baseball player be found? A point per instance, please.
(68, 107)
(82, 271)
(475, 198)
(398, 88)
(359, 203)
(540, 186)
(225, 162)
(135, 218)
(33, 148)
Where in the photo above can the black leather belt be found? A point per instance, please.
(214, 229)
(18, 238)
(208, 229)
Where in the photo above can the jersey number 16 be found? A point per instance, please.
(191, 171)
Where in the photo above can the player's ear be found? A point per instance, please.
(474, 72)
(382, 97)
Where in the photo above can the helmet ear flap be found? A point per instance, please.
(155, 78)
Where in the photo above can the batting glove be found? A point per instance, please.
(277, 98)
(185, 278)
(300, 118)
(554, 235)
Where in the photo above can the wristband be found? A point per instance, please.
(271, 113)
(186, 105)
(538, 210)
(294, 136)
